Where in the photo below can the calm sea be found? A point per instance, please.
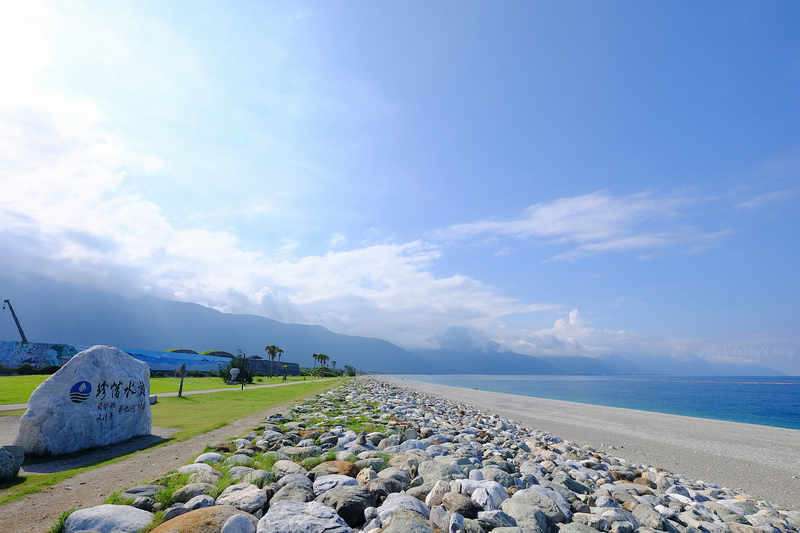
(767, 401)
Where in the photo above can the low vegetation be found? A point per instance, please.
(192, 415)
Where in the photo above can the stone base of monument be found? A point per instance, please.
(153, 399)
(11, 458)
(232, 382)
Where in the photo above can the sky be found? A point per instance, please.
(560, 178)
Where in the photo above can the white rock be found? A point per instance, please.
(106, 518)
(238, 523)
(244, 496)
(101, 396)
(298, 517)
(194, 467)
(326, 483)
(210, 457)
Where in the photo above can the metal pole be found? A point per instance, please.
(21, 333)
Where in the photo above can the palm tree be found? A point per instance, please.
(273, 351)
(322, 360)
(316, 358)
(279, 351)
(333, 363)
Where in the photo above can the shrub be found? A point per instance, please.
(26, 370)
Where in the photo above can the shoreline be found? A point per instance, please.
(763, 461)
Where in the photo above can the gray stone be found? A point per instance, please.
(259, 478)
(463, 505)
(11, 458)
(187, 492)
(456, 524)
(209, 457)
(195, 467)
(574, 527)
(293, 492)
(99, 397)
(144, 503)
(351, 503)
(405, 521)
(146, 491)
(331, 481)
(527, 514)
(648, 516)
(205, 476)
(238, 459)
(238, 523)
(199, 502)
(439, 517)
(288, 467)
(203, 520)
(238, 472)
(494, 519)
(175, 511)
(108, 518)
(436, 494)
(245, 497)
(397, 501)
(299, 517)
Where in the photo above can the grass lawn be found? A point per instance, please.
(194, 415)
(18, 389)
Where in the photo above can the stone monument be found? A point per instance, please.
(101, 396)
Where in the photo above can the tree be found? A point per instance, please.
(322, 360)
(333, 363)
(273, 352)
(351, 370)
(240, 362)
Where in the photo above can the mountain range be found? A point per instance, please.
(56, 312)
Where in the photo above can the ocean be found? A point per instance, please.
(767, 401)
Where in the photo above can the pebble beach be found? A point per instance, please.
(383, 455)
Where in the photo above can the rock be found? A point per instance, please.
(648, 517)
(350, 502)
(238, 472)
(397, 501)
(195, 467)
(463, 505)
(238, 523)
(99, 397)
(527, 514)
(144, 503)
(405, 521)
(238, 459)
(187, 492)
(176, 510)
(139, 491)
(384, 486)
(285, 466)
(298, 517)
(203, 520)
(345, 468)
(209, 457)
(108, 518)
(293, 492)
(439, 517)
(205, 476)
(259, 478)
(366, 475)
(493, 519)
(198, 502)
(574, 527)
(436, 494)
(11, 458)
(244, 496)
(331, 481)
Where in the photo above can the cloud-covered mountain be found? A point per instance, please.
(66, 313)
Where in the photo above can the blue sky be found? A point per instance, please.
(560, 178)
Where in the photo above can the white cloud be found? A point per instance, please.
(337, 239)
(595, 223)
(760, 201)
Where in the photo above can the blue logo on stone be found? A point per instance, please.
(80, 391)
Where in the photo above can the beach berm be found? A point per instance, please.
(373, 456)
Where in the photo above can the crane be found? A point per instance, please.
(21, 333)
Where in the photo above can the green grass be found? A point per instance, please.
(18, 389)
(199, 413)
(194, 415)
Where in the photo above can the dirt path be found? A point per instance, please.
(37, 513)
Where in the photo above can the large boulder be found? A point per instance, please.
(108, 518)
(101, 396)
(298, 517)
(205, 520)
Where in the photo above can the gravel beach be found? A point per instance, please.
(760, 460)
